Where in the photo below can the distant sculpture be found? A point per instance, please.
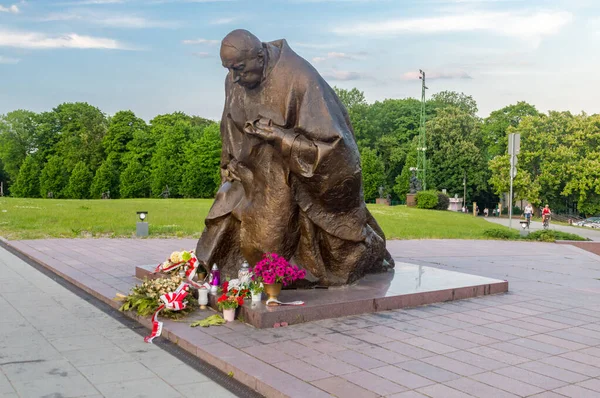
(290, 171)
(415, 184)
(381, 192)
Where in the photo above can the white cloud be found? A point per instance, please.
(526, 26)
(201, 41)
(115, 21)
(93, 2)
(436, 75)
(188, 1)
(318, 46)
(337, 55)
(8, 60)
(13, 9)
(335, 74)
(133, 22)
(224, 21)
(336, 1)
(202, 54)
(36, 40)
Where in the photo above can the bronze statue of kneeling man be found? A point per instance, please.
(290, 168)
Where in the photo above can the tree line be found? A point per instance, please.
(76, 151)
(559, 163)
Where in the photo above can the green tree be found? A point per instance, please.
(456, 146)
(402, 180)
(54, 178)
(121, 130)
(47, 134)
(523, 188)
(27, 184)
(372, 173)
(350, 98)
(135, 180)
(202, 177)
(81, 128)
(167, 164)
(79, 182)
(583, 169)
(106, 179)
(452, 99)
(17, 140)
(495, 126)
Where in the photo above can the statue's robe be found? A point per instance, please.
(300, 196)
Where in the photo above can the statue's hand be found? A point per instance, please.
(264, 129)
(236, 171)
(232, 171)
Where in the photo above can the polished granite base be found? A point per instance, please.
(408, 285)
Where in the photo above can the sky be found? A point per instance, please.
(161, 56)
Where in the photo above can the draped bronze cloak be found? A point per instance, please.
(301, 196)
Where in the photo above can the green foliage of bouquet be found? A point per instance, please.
(145, 298)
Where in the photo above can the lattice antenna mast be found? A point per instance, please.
(422, 146)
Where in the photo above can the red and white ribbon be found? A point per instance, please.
(174, 301)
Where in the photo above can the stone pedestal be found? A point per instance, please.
(411, 199)
(408, 285)
(382, 201)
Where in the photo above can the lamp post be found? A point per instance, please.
(141, 227)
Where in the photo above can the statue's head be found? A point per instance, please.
(242, 53)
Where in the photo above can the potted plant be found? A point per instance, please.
(276, 272)
(228, 305)
(256, 289)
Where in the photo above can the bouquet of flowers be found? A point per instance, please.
(175, 260)
(257, 286)
(236, 288)
(275, 269)
(145, 298)
(229, 302)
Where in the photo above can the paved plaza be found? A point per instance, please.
(55, 344)
(542, 339)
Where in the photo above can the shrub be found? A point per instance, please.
(427, 199)
(553, 235)
(500, 233)
(443, 201)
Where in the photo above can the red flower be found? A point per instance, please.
(240, 300)
(225, 286)
(222, 298)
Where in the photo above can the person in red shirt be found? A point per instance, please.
(546, 212)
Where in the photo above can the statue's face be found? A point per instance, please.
(246, 68)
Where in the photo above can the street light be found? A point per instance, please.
(142, 215)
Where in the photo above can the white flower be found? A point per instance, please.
(246, 279)
(234, 284)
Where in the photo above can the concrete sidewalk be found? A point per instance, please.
(590, 233)
(55, 344)
(542, 339)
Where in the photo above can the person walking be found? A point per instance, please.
(528, 213)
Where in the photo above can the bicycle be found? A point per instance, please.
(528, 219)
(547, 222)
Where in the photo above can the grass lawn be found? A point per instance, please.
(55, 218)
